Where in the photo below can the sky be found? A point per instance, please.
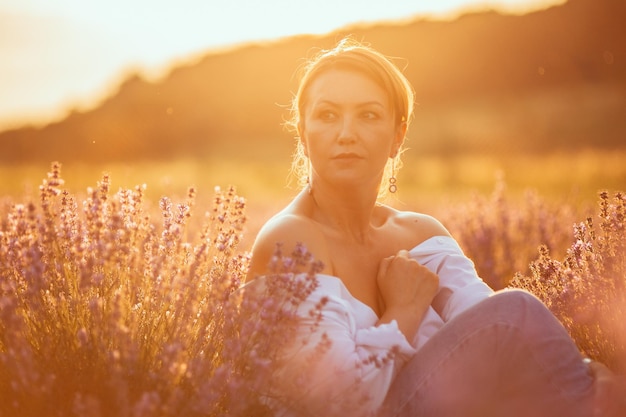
(63, 54)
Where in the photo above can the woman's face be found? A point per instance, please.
(348, 128)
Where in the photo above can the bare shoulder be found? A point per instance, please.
(287, 230)
(416, 227)
(422, 223)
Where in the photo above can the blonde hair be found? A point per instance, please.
(355, 56)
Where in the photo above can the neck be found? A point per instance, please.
(348, 211)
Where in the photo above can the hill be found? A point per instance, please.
(485, 82)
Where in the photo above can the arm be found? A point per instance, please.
(460, 287)
(407, 289)
(334, 367)
(416, 280)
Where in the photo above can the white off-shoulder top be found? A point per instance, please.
(353, 373)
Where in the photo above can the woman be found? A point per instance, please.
(407, 327)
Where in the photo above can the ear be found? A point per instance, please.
(398, 139)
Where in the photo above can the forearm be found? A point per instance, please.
(460, 286)
(407, 317)
(316, 376)
(441, 299)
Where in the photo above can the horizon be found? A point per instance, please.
(83, 70)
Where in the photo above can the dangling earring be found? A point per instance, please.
(309, 186)
(392, 180)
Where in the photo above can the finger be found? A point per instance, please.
(384, 266)
(403, 253)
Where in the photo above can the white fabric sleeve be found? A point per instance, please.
(341, 369)
(443, 256)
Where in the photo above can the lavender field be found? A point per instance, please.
(119, 303)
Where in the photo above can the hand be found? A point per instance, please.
(609, 391)
(403, 282)
(407, 289)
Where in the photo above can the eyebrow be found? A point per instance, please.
(364, 104)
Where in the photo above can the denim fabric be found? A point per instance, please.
(506, 356)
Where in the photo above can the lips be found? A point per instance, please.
(347, 156)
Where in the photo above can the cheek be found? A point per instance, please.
(315, 135)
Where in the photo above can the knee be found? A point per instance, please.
(519, 305)
(515, 295)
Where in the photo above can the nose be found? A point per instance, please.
(347, 132)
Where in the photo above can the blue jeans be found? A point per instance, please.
(506, 356)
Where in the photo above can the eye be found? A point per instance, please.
(326, 115)
(370, 115)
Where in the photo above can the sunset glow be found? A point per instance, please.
(62, 54)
